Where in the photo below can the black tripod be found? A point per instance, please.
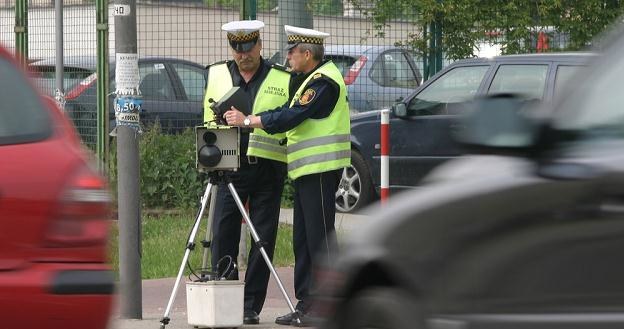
(216, 178)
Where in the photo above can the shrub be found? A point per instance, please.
(169, 179)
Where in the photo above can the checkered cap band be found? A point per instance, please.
(304, 39)
(243, 37)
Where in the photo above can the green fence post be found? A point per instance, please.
(432, 50)
(438, 42)
(425, 57)
(101, 146)
(21, 31)
(248, 9)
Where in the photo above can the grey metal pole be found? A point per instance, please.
(59, 94)
(127, 106)
(295, 13)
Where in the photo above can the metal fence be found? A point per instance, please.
(191, 31)
(380, 64)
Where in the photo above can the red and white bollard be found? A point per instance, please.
(385, 152)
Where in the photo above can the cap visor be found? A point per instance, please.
(242, 47)
(291, 46)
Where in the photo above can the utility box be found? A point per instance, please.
(215, 304)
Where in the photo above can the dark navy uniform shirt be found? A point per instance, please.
(322, 95)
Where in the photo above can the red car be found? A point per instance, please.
(54, 211)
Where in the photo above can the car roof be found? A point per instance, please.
(90, 62)
(562, 56)
(356, 50)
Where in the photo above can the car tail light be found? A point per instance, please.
(81, 218)
(81, 87)
(355, 69)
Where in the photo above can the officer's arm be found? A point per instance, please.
(316, 101)
(236, 118)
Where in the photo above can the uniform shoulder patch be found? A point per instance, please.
(307, 96)
(317, 75)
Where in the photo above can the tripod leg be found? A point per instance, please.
(165, 320)
(256, 238)
(211, 206)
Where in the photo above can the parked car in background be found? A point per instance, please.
(420, 131)
(529, 235)
(172, 91)
(43, 73)
(54, 215)
(376, 76)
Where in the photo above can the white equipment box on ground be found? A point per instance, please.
(215, 304)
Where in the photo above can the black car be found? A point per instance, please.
(420, 132)
(172, 91)
(528, 235)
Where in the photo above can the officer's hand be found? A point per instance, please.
(234, 117)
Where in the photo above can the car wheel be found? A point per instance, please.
(382, 308)
(355, 189)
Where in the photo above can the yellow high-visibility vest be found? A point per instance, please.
(320, 145)
(273, 92)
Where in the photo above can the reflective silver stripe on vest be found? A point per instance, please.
(319, 158)
(264, 139)
(319, 141)
(271, 148)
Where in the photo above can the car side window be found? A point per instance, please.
(564, 74)
(393, 70)
(527, 80)
(23, 117)
(193, 80)
(455, 86)
(155, 83)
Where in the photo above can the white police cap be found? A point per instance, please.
(297, 35)
(243, 35)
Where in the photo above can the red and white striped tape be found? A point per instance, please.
(385, 151)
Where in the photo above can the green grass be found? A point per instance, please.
(164, 240)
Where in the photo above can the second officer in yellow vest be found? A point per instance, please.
(260, 180)
(316, 122)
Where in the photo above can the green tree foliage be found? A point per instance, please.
(325, 7)
(317, 7)
(514, 24)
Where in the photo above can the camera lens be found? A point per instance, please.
(210, 138)
(209, 155)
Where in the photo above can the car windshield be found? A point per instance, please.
(597, 113)
(23, 117)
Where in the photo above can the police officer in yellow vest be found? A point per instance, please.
(316, 122)
(260, 180)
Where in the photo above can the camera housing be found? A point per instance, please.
(217, 148)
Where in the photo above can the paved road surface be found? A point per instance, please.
(156, 294)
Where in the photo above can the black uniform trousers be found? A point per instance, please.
(314, 235)
(261, 185)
